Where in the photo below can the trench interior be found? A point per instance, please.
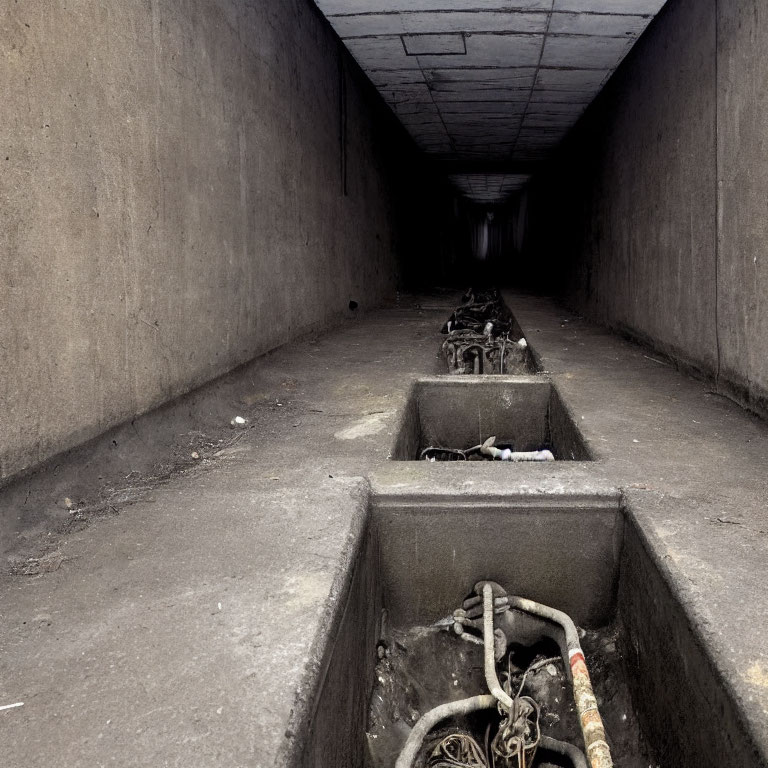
(515, 364)
(460, 412)
(419, 561)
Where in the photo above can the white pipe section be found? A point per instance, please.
(504, 454)
(491, 680)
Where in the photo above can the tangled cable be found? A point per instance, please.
(477, 311)
(458, 750)
(515, 742)
(519, 734)
(479, 337)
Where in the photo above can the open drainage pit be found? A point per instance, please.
(450, 419)
(394, 653)
(483, 337)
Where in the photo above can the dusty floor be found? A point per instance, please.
(175, 630)
(178, 626)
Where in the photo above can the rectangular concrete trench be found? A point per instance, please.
(418, 557)
(526, 412)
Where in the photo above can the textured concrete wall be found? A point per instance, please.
(171, 202)
(654, 211)
(742, 283)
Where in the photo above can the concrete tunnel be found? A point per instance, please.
(383, 383)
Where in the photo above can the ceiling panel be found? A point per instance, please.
(346, 7)
(584, 51)
(489, 80)
(647, 8)
(615, 25)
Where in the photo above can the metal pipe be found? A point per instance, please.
(550, 614)
(491, 679)
(505, 454)
(592, 729)
(528, 456)
(430, 719)
(569, 751)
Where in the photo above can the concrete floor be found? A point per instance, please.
(186, 627)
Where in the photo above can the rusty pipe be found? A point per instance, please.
(598, 752)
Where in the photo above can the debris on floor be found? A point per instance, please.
(488, 688)
(34, 566)
(487, 451)
(481, 337)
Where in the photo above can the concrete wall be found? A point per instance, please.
(654, 213)
(742, 159)
(171, 202)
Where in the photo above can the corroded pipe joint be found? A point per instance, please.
(598, 752)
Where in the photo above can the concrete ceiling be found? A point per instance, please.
(489, 80)
(488, 187)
